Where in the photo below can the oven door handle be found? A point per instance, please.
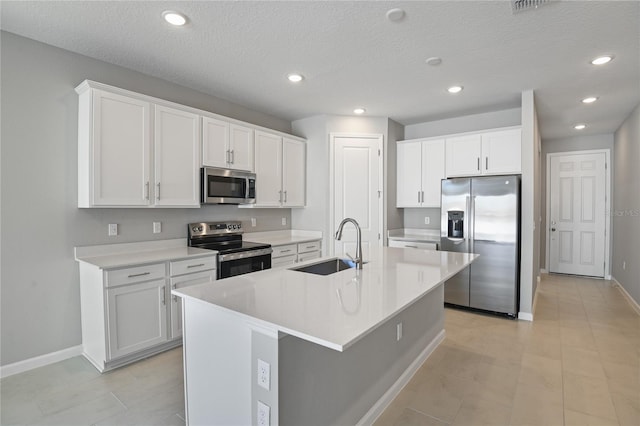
(243, 255)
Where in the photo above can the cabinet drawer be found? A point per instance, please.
(287, 250)
(310, 246)
(303, 257)
(136, 274)
(283, 261)
(413, 244)
(186, 266)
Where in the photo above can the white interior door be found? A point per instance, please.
(357, 191)
(577, 204)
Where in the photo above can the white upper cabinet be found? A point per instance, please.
(227, 145)
(114, 145)
(463, 155)
(420, 168)
(280, 171)
(488, 153)
(293, 173)
(176, 158)
(502, 152)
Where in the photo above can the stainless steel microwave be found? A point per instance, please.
(225, 186)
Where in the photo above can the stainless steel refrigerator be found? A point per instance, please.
(482, 215)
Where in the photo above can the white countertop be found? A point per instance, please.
(281, 238)
(338, 309)
(416, 235)
(108, 256)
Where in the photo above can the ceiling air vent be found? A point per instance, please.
(522, 5)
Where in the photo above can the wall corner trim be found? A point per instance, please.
(634, 304)
(39, 361)
(526, 316)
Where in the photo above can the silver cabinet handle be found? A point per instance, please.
(164, 288)
(478, 163)
(418, 196)
(422, 196)
(174, 297)
(228, 157)
(280, 197)
(233, 156)
(139, 275)
(196, 266)
(411, 246)
(285, 251)
(158, 193)
(285, 196)
(486, 163)
(146, 190)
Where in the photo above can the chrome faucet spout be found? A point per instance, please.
(358, 258)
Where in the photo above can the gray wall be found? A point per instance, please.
(40, 307)
(394, 217)
(414, 217)
(626, 204)
(578, 143)
(317, 131)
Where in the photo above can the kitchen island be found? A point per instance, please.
(288, 347)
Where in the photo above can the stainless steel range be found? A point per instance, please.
(235, 256)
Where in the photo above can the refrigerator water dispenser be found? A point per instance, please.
(455, 224)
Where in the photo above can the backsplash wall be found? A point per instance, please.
(414, 218)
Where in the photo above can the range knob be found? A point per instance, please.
(196, 229)
(239, 226)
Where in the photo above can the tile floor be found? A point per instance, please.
(578, 363)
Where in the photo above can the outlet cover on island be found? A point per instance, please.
(263, 374)
(113, 229)
(157, 227)
(263, 414)
(284, 221)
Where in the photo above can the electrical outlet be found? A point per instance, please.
(113, 229)
(284, 221)
(263, 414)
(398, 331)
(157, 227)
(264, 374)
(427, 220)
(624, 265)
(253, 221)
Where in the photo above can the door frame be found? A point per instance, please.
(607, 206)
(332, 180)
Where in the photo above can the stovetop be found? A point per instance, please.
(225, 237)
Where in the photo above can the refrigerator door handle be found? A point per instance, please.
(472, 225)
(466, 228)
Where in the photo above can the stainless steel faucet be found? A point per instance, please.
(358, 258)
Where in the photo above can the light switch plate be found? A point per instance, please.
(113, 229)
(427, 220)
(157, 227)
(253, 221)
(284, 221)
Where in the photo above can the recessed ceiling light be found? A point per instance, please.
(601, 60)
(395, 15)
(433, 61)
(359, 111)
(295, 78)
(174, 18)
(580, 126)
(455, 89)
(590, 100)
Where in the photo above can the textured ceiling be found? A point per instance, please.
(351, 55)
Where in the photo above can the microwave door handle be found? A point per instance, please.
(246, 188)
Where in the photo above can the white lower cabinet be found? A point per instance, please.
(176, 303)
(137, 317)
(290, 254)
(129, 313)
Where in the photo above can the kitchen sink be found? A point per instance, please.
(327, 267)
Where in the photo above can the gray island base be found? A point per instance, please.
(284, 347)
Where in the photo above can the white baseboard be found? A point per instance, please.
(384, 401)
(39, 361)
(631, 300)
(525, 316)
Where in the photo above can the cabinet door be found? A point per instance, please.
(501, 152)
(241, 147)
(409, 174)
(433, 171)
(176, 302)
(121, 150)
(137, 317)
(176, 153)
(215, 142)
(293, 173)
(463, 155)
(268, 169)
